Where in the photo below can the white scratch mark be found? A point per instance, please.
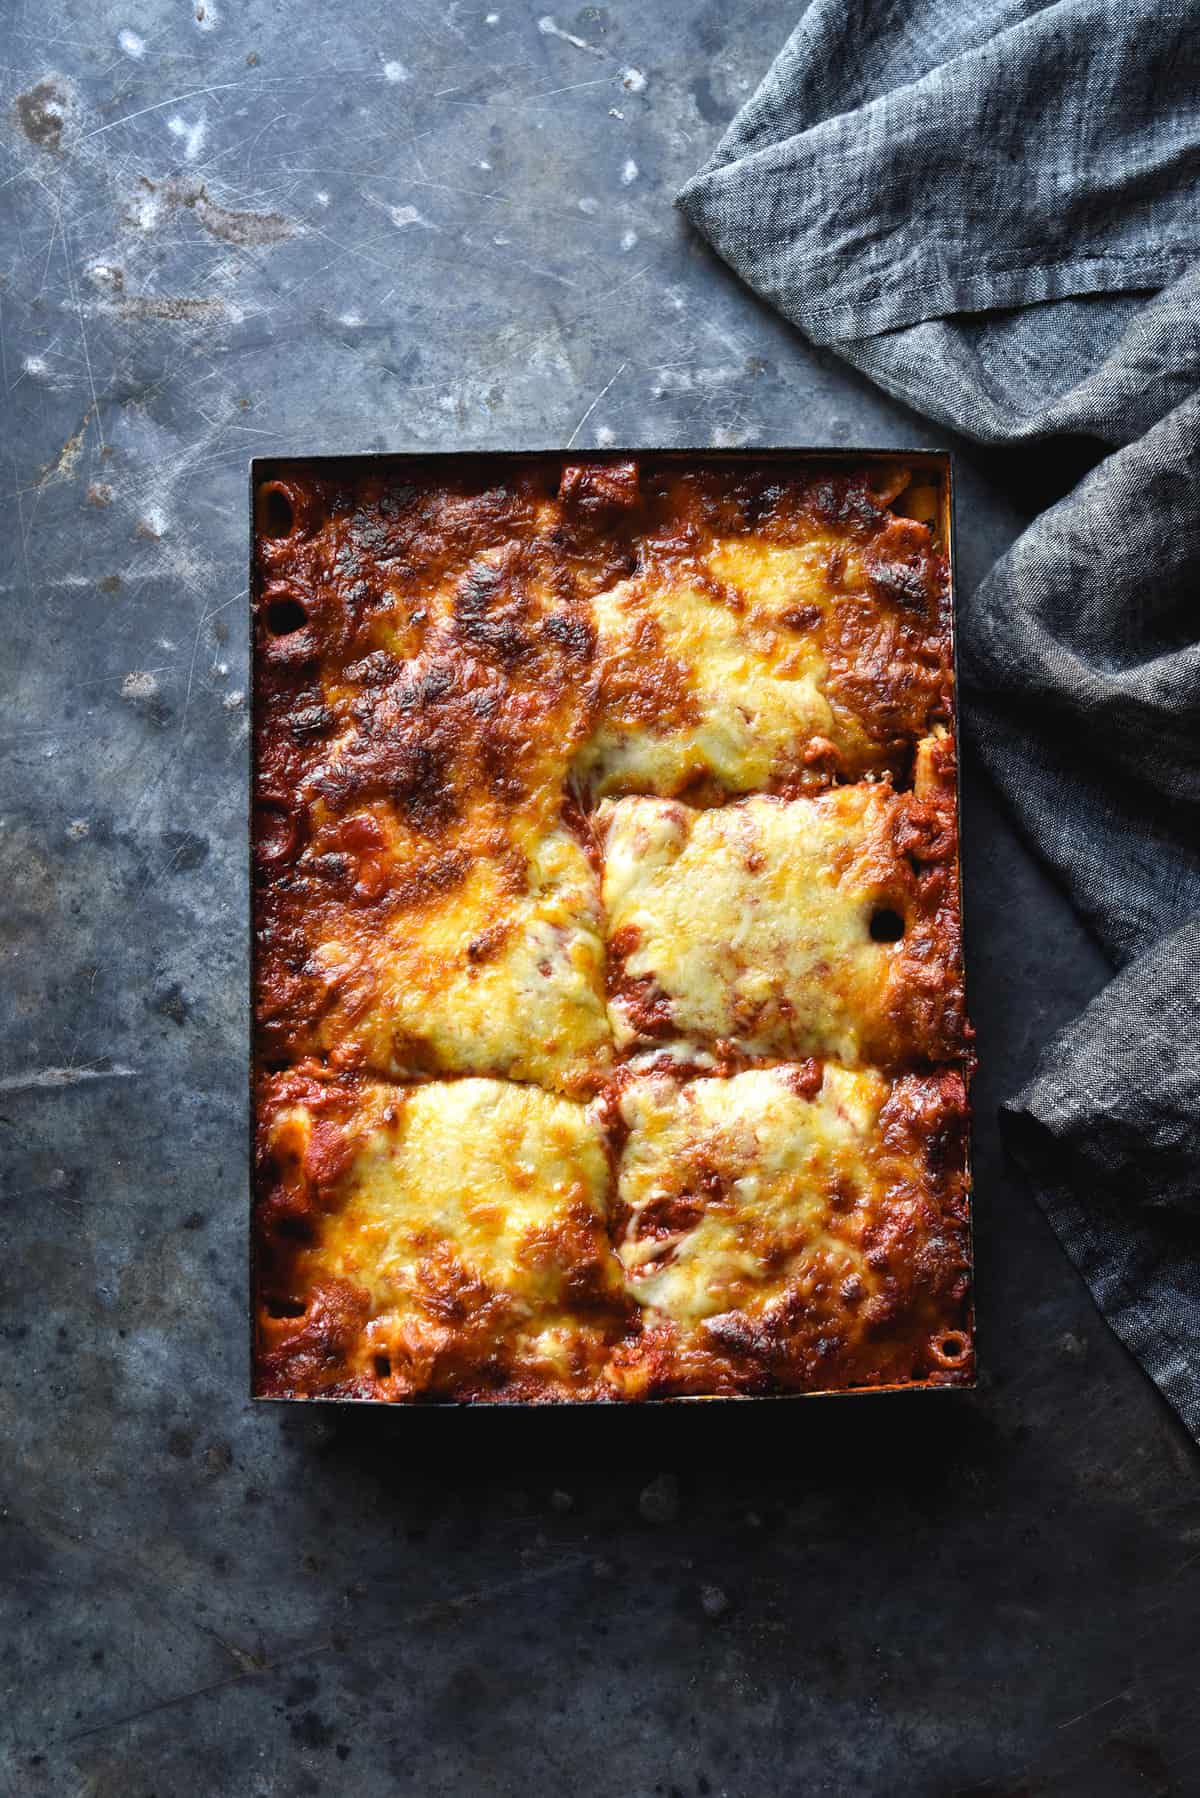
(193, 136)
(218, 87)
(87, 355)
(187, 698)
(549, 28)
(619, 287)
(629, 173)
(608, 384)
(548, 93)
(633, 81)
(53, 1078)
(131, 44)
(1102, 1706)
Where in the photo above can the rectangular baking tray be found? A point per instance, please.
(940, 466)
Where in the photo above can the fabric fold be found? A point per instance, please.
(992, 210)
(913, 200)
(1107, 1133)
(1081, 650)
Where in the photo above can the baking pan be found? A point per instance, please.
(938, 464)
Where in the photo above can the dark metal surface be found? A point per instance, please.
(248, 229)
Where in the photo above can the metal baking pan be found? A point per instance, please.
(940, 468)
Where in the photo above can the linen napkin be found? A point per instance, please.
(993, 210)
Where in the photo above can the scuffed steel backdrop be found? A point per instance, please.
(233, 229)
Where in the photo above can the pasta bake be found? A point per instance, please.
(609, 1030)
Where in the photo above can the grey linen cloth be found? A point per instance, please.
(993, 210)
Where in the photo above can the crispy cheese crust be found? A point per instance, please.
(608, 996)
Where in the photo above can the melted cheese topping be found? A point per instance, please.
(754, 1182)
(752, 921)
(741, 633)
(483, 980)
(472, 1214)
(778, 577)
(480, 698)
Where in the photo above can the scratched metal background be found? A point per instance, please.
(238, 228)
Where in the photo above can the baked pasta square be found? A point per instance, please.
(469, 958)
(790, 1219)
(446, 1240)
(759, 646)
(609, 1034)
(426, 899)
(772, 928)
